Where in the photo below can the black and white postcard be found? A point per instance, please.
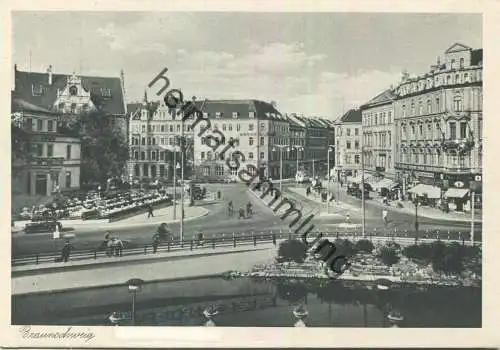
(250, 174)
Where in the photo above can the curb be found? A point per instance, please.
(403, 211)
(119, 224)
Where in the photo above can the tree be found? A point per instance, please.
(388, 256)
(104, 149)
(449, 259)
(364, 245)
(292, 250)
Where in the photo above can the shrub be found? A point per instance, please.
(292, 250)
(364, 245)
(388, 256)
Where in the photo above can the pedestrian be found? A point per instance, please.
(241, 213)
(150, 211)
(66, 251)
(348, 218)
(156, 243)
(384, 216)
(308, 191)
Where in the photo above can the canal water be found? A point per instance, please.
(246, 302)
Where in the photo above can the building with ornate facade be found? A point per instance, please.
(379, 135)
(348, 137)
(155, 141)
(438, 117)
(72, 94)
(48, 160)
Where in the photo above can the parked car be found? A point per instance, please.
(42, 226)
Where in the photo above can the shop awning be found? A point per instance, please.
(385, 183)
(422, 189)
(358, 179)
(456, 192)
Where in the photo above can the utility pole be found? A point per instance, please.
(363, 223)
(472, 207)
(182, 181)
(174, 168)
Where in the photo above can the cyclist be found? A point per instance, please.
(249, 209)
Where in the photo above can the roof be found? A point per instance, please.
(24, 82)
(457, 47)
(262, 110)
(20, 105)
(476, 57)
(384, 97)
(351, 116)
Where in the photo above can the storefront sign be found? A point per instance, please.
(477, 178)
(459, 184)
(424, 174)
(380, 169)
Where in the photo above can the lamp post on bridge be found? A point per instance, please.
(281, 148)
(330, 148)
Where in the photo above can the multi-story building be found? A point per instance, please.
(74, 94)
(155, 141)
(379, 135)
(348, 145)
(438, 118)
(47, 161)
(319, 135)
(260, 132)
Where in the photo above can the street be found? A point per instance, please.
(217, 222)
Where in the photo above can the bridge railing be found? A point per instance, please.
(236, 239)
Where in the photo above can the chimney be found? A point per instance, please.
(49, 70)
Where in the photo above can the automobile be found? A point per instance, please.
(43, 226)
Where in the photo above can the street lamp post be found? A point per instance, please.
(174, 168)
(134, 286)
(330, 148)
(363, 222)
(182, 183)
(415, 201)
(297, 149)
(281, 148)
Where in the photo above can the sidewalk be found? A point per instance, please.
(165, 266)
(408, 207)
(161, 215)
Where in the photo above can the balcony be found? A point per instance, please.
(458, 170)
(465, 144)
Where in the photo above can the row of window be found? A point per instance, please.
(381, 118)
(215, 155)
(72, 107)
(373, 161)
(37, 149)
(40, 125)
(348, 131)
(436, 108)
(161, 128)
(377, 139)
(441, 79)
(422, 132)
(152, 141)
(436, 159)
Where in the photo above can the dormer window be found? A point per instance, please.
(251, 114)
(61, 106)
(106, 92)
(37, 89)
(218, 114)
(235, 115)
(73, 90)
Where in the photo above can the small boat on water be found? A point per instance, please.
(300, 312)
(210, 312)
(395, 317)
(117, 317)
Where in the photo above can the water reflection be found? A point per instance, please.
(246, 302)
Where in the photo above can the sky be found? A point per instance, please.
(316, 64)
